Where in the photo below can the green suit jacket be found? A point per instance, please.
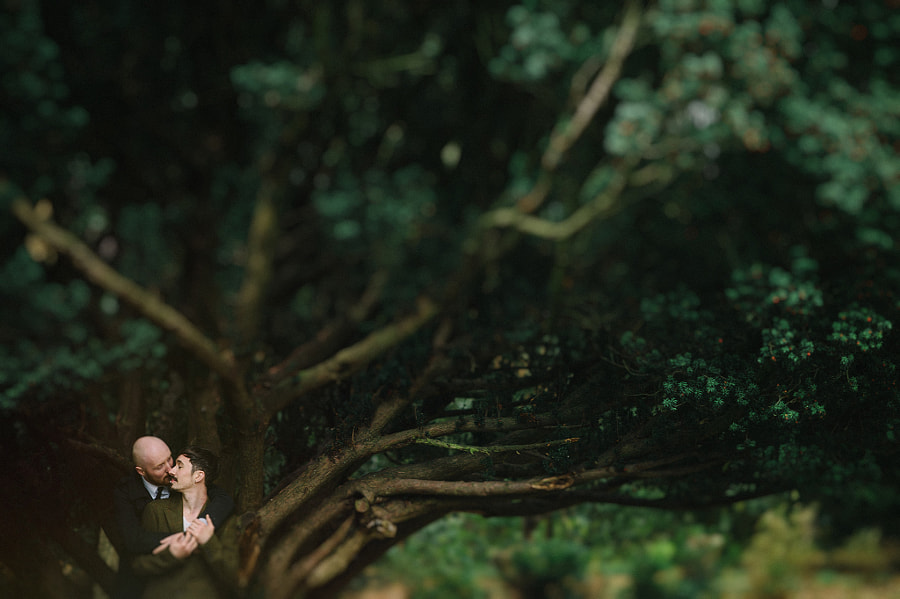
(166, 575)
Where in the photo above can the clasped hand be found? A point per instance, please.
(183, 544)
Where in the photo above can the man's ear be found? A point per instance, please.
(201, 477)
(139, 470)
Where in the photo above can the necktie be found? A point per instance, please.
(159, 491)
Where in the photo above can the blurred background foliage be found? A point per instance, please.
(750, 261)
(387, 140)
(772, 547)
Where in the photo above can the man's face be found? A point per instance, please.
(181, 474)
(156, 468)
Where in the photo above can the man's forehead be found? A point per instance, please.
(183, 459)
(155, 460)
(164, 459)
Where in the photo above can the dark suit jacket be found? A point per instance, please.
(130, 498)
(166, 576)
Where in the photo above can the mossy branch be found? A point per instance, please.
(472, 449)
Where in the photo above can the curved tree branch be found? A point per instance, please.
(383, 508)
(329, 339)
(150, 306)
(299, 572)
(489, 488)
(374, 550)
(98, 450)
(324, 475)
(602, 204)
(564, 135)
(439, 364)
(507, 424)
(352, 358)
(381, 486)
(338, 560)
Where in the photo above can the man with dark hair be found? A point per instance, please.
(186, 566)
(202, 459)
(150, 481)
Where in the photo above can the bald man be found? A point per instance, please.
(150, 480)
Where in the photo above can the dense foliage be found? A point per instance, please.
(394, 261)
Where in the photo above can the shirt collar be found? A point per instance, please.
(151, 488)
